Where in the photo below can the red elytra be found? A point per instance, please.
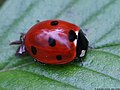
(52, 42)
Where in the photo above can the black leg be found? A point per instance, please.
(37, 21)
(79, 59)
(21, 51)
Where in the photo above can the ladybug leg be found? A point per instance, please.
(21, 49)
(35, 60)
(15, 42)
(78, 59)
(37, 21)
(42, 63)
(90, 47)
(39, 62)
(82, 45)
(20, 41)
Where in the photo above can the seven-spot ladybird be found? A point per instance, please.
(53, 42)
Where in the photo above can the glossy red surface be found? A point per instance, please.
(38, 37)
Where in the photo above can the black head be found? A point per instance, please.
(82, 45)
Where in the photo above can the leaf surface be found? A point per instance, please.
(99, 20)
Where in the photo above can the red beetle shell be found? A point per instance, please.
(38, 38)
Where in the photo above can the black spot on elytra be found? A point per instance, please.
(59, 57)
(51, 42)
(54, 23)
(72, 36)
(34, 50)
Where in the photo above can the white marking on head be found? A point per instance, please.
(82, 53)
(75, 41)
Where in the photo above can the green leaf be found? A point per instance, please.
(101, 66)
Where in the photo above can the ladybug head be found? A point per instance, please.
(81, 44)
(80, 41)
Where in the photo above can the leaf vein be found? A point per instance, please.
(94, 15)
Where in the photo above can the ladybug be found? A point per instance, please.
(53, 42)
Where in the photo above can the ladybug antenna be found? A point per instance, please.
(21, 42)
